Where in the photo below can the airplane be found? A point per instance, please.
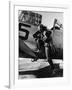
(28, 26)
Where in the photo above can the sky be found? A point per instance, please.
(48, 18)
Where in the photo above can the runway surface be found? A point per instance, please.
(39, 68)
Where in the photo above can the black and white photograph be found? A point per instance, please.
(40, 50)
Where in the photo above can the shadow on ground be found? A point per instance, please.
(45, 72)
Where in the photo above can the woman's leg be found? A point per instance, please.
(48, 59)
(46, 52)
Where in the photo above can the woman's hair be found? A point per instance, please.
(43, 28)
(48, 33)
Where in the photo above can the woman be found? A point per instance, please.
(40, 43)
(48, 42)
